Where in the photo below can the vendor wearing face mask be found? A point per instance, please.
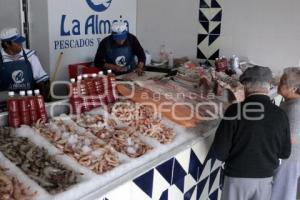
(20, 69)
(117, 51)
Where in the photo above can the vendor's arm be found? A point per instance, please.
(139, 52)
(41, 78)
(99, 60)
(224, 135)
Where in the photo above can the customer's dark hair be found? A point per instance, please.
(5, 44)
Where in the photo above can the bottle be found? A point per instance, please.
(94, 92)
(86, 105)
(33, 108)
(111, 93)
(14, 119)
(75, 99)
(24, 109)
(171, 60)
(41, 106)
(100, 88)
(91, 90)
(163, 56)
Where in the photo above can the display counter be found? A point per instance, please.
(182, 168)
(172, 171)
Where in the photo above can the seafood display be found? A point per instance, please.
(179, 113)
(36, 163)
(89, 151)
(204, 104)
(12, 189)
(143, 119)
(231, 83)
(122, 139)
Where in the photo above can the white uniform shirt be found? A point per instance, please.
(39, 73)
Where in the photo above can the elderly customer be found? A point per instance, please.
(251, 138)
(286, 176)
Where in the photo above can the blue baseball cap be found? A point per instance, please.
(120, 36)
(11, 34)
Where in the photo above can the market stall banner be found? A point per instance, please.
(210, 18)
(76, 27)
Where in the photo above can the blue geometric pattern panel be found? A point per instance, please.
(166, 170)
(210, 18)
(197, 180)
(145, 182)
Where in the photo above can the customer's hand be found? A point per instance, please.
(294, 140)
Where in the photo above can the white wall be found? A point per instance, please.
(170, 22)
(265, 31)
(39, 34)
(10, 14)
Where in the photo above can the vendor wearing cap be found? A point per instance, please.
(20, 69)
(117, 51)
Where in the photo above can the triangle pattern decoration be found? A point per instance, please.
(203, 4)
(183, 159)
(166, 170)
(159, 185)
(201, 38)
(178, 173)
(189, 182)
(214, 196)
(200, 187)
(212, 39)
(217, 30)
(205, 192)
(174, 193)
(180, 184)
(206, 171)
(145, 182)
(189, 194)
(217, 17)
(215, 4)
(217, 164)
(195, 166)
(205, 25)
(202, 16)
(164, 195)
(214, 182)
(213, 26)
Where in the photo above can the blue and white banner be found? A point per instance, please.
(77, 26)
